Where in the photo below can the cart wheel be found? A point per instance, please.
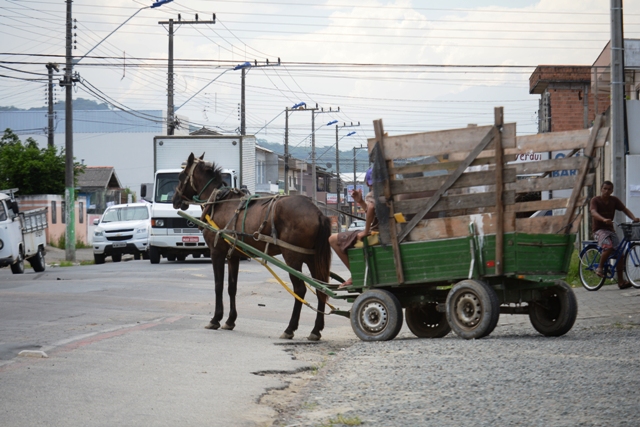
(154, 255)
(589, 260)
(473, 309)
(555, 313)
(376, 316)
(427, 322)
(37, 261)
(632, 265)
(98, 258)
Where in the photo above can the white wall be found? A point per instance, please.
(130, 153)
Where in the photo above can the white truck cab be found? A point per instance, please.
(22, 234)
(172, 236)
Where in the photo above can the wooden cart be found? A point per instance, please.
(460, 242)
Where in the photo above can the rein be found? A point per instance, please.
(218, 195)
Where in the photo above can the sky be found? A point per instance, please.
(419, 65)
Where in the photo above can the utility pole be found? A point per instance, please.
(286, 151)
(243, 124)
(314, 176)
(170, 114)
(50, 68)
(617, 101)
(69, 191)
(171, 120)
(344, 125)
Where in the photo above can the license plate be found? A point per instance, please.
(119, 245)
(190, 239)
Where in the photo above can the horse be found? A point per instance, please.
(289, 225)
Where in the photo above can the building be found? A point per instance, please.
(570, 98)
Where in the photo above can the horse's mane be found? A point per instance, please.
(213, 168)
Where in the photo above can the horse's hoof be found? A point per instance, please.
(212, 326)
(228, 327)
(286, 336)
(313, 337)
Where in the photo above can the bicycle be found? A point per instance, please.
(590, 259)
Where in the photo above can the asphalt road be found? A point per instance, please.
(125, 346)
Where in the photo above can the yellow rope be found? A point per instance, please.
(263, 263)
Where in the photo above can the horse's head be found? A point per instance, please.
(196, 178)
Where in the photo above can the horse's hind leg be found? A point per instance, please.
(315, 334)
(234, 267)
(218, 276)
(300, 290)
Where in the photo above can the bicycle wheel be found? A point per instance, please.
(589, 260)
(632, 265)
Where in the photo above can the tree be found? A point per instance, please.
(32, 169)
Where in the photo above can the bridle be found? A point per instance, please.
(189, 179)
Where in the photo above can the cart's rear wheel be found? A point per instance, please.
(555, 313)
(425, 321)
(589, 261)
(376, 315)
(473, 309)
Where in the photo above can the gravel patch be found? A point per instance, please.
(514, 377)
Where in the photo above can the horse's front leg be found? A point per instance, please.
(299, 289)
(234, 267)
(218, 262)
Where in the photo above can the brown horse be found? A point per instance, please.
(294, 220)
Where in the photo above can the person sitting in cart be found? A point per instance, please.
(341, 242)
(603, 209)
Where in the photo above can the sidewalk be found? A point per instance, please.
(55, 255)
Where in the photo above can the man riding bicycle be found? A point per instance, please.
(603, 209)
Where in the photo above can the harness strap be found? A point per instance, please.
(282, 283)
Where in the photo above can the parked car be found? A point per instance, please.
(123, 229)
(357, 224)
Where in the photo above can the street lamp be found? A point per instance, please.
(158, 3)
(67, 83)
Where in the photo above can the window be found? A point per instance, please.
(63, 210)
(54, 213)
(81, 212)
(165, 187)
(3, 212)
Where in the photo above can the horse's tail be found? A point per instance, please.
(322, 259)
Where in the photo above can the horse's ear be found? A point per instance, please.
(202, 157)
(190, 159)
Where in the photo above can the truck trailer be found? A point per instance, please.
(173, 237)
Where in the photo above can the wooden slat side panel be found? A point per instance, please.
(540, 225)
(556, 141)
(462, 201)
(539, 205)
(436, 169)
(542, 166)
(546, 184)
(441, 142)
(458, 226)
(432, 183)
